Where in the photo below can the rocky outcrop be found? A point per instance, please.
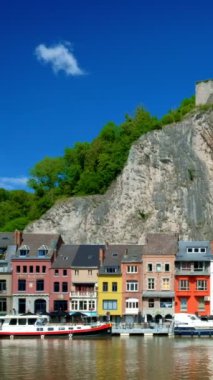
(166, 186)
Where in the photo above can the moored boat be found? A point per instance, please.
(38, 326)
(191, 325)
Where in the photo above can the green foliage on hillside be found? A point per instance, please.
(86, 168)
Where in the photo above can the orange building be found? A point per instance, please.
(192, 277)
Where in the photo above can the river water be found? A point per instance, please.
(141, 358)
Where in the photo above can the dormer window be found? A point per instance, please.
(24, 251)
(196, 250)
(42, 251)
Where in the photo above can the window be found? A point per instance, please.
(167, 267)
(64, 287)
(25, 269)
(3, 286)
(91, 305)
(31, 269)
(183, 304)
(201, 285)
(151, 302)
(198, 266)
(165, 284)
(76, 272)
(56, 287)
(42, 251)
(37, 269)
(201, 303)
(40, 285)
(132, 286)
(111, 269)
(196, 250)
(83, 305)
(183, 285)
(56, 272)
(24, 251)
(186, 266)
(89, 272)
(166, 302)
(132, 304)
(22, 305)
(132, 269)
(18, 269)
(74, 305)
(114, 287)
(64, 272)
(105, 286)
(151, 283)
(3, 305)
(149, 267)
(44, 269)
(22, 285)
(60, 305)
(110, 305)
(158, 267)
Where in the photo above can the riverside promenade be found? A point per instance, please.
(146, 330)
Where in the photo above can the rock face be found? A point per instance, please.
(166, 186)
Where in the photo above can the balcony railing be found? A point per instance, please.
(83, 294)
(192, 271)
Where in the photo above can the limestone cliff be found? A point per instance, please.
(166, 186)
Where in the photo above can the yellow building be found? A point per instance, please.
(110, 284)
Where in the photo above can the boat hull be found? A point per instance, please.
(193, 331)
(96, 331)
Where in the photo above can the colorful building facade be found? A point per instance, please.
(192, 277)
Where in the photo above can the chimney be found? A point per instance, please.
(18, 238)
(101, 256)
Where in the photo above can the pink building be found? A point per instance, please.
(158, 276)
(61, 279)
(31, 271)
(131, 268)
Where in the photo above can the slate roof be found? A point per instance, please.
(65, 256)
(133, 253)
(183, 255)
(7, 238)
(161, 244)
(36, 240)
(87, 256)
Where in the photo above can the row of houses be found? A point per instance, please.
(39, 273)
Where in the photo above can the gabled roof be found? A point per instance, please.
(161, 244)
(66, 255)
(133, 253)
(115, 254)
(36, 240)
(87, 256)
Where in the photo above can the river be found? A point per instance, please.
(135, 358)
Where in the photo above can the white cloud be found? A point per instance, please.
(11, 183)
(60, 57)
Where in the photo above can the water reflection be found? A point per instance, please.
(134, 358)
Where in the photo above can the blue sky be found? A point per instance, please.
(69, 67)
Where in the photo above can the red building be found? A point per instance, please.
(31, 271)
(192, 277)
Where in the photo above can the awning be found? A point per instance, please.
(153, 294)
(84, 314)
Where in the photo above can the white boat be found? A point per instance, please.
(191, 325)
(29, 326)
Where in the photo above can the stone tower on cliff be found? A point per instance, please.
(204, 92)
